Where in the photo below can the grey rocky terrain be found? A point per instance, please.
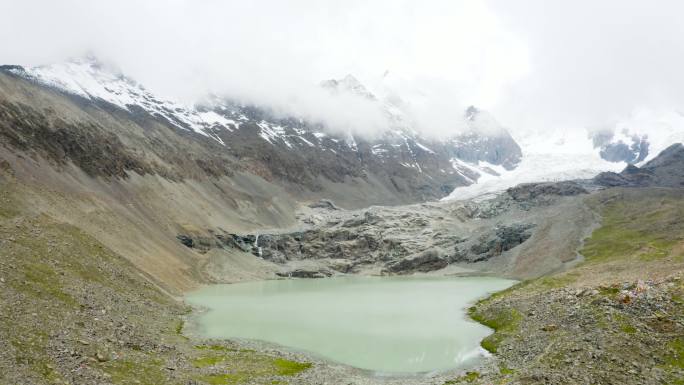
(664, 171)
(464, 235)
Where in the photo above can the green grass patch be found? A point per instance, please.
(41, 281)
(647, 228)
(225, 379)
(9, 207)
(506, 371)
(233, 366)
(503, 320)
(31, 350)
(290, 368)
(215, 348)
(625, 324)
(557, 281)
(468, 377)
(136, 372)
(203, 362)
(676, 359)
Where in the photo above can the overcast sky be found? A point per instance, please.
(533, 63)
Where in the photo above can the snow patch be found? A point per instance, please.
(90, 79)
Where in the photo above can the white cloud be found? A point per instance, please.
(535, 64)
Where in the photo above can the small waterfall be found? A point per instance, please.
(256, 244)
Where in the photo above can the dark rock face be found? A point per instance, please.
(89, 146)
(621, 152)
(304, 273)
(668, 166)
(324, 204)
(488, 246)
(11, 67)
(496, 147)
(665, 170)
(524, 196)
(634, 151)
(186, 240)
(531, 191)
(631, 176)
(501, 150)
(335, 243)
(428, 260)
(203, 243)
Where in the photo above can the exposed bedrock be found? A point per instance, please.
(220, 239)
(542, 192)
(503, 238)
(428, 260)
(306, 273)
(485, 235)
(400, 240)
(663, 171)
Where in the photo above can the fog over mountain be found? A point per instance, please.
(527, 63)
(376, 192)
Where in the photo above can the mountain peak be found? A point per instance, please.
(350, 84)
(471, 113)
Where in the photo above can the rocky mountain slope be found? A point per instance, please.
(664, 171)
(304, 157)
(615, 318)
(97, 150)
(526, 231)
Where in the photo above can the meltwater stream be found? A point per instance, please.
(382, 324)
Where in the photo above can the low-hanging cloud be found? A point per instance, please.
(534, 64)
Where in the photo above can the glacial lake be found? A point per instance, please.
(387, 325)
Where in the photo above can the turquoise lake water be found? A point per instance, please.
(382, 324)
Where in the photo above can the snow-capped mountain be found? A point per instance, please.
(482, 140)
(582, 154)
(621, 146)
(288, 149)
(90, 79)
(348, 84)
(639, 137)
(219, 136)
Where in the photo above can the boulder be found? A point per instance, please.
(504, 238)
(428, 260)
(186, 240)
(305, 273)
(324, 204)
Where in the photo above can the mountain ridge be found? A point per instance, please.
(287, 150)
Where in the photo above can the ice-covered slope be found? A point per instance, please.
(583, 153)
(572, 156)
